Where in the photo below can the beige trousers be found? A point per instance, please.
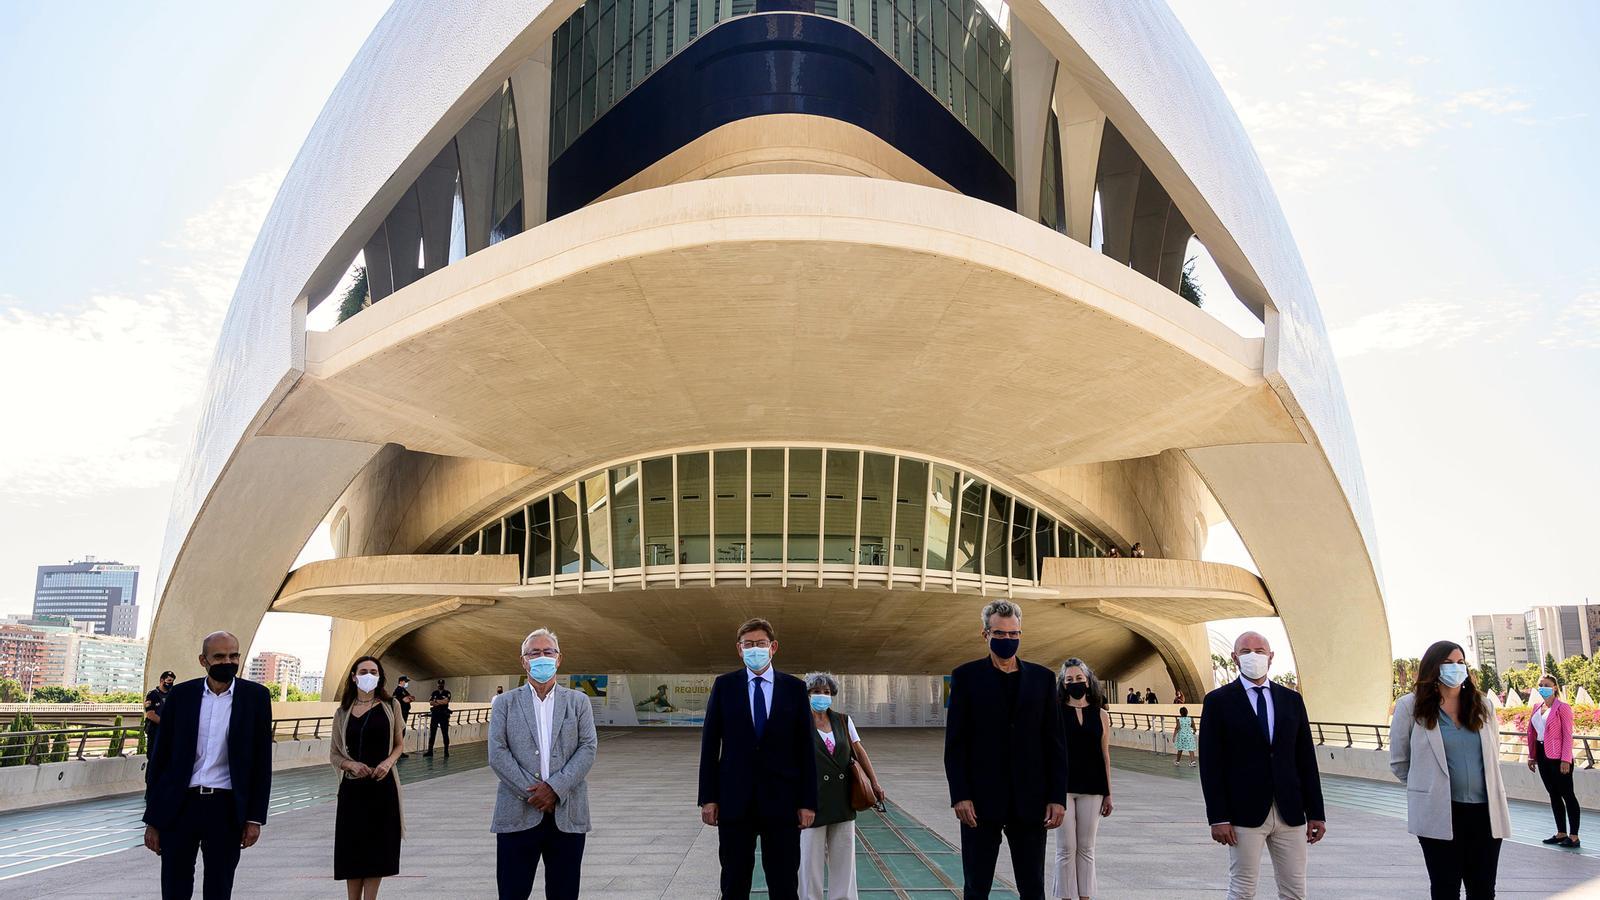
(1286, 843)
(1075, 846)
(835, 846)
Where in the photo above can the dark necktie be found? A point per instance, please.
(760, 714)
(1261, 712)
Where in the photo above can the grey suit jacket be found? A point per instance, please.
(514, 755)
(1416, 756)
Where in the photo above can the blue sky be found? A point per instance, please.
(1435, 161)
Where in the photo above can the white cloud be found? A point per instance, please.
(1431, 324)
(1578, 325)
(101, 390)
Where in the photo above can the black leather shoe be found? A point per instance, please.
(1571, 841)
(1554, 839)
(429, 753)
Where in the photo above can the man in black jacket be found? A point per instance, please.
(758, 773)
(1258, 771)
(1004, 758)
(209, 773)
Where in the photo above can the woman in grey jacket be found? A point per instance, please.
(1443, 744)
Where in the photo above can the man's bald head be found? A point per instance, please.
(1251, 641)
(215, 636)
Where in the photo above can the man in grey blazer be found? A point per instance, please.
(541, 745)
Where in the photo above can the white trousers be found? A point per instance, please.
(1286, 843)
(834, 846)
(1075, 846)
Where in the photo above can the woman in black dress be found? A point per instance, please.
(1086, 728)
(367, 740)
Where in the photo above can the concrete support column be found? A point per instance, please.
(1033, 75)
(530, 85)
(475, 144)
(1083, 126)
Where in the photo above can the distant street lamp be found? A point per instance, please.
(27, 682)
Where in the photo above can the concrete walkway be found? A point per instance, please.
(649, 841)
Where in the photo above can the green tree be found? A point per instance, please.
(1404, 676)
(1522, 680)
(275, 690)
(114, 748)
(10, 691)
(1550, 663)
(355, 299)
(58, 748)
(17, 749)
(51, 693)
(1288, 680)
(1489, 678)
(1188, 288)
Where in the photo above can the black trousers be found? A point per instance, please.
(1471, 858)
(207, 825)
(439, 722)
(980, 848)
(780, 856)
(517, 856)
(1563, 798)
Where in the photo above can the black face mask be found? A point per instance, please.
(1005, 648)
(1077, 690)
(222, 673)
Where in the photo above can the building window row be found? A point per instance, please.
(952, 47)
(776, 508)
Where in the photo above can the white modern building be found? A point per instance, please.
(847, 315)
(106, 664)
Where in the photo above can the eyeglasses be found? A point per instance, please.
(547, 653)
(753, 645)
(1003, 635)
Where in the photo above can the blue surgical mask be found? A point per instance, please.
(821, 702)
(541, 669)
(1546, 692)
(1453, 674)
(756, 658)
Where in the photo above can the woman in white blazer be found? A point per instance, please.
(1444, 745)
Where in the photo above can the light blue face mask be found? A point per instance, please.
(821, 702)
(756, 658)
(1546, 692)
(541, 669)
(1453, 674)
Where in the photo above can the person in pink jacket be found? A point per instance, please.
(1550, 754)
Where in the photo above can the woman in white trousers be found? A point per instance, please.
(1086, 727)
(828, 847)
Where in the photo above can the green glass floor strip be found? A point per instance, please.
(899, 857)
(1530, 822)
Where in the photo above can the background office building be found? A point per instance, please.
(271, 666)
(851, 315)
(1512, 640)
(102, 593)
(1501, 640)
(105, 664)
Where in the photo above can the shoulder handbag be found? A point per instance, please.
(862, 796)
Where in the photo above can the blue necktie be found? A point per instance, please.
(1261, 713)
(760, 714)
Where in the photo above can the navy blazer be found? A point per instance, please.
(171, 762)
(980, 732)
(1241, 776)
(751, 779)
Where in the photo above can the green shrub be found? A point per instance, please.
(114, 748)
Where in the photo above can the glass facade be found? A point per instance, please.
(505, 207)
(1052, 179)
(773, 512)
(952, 47)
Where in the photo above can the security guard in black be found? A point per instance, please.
(439, 703)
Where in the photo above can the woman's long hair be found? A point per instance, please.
(378, 693)
(1427, 690)
(1096, 701)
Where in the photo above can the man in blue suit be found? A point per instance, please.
(1258, 771)
(758, 772)
(209, 773)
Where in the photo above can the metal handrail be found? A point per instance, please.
(1365, 735)
(86, 742)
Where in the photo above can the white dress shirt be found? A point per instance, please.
(211, 744)
(765, 682)
(543, 713)
(1250, 689)
(1540, 717)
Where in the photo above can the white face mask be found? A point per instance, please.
(1253, 665)
(367, 681)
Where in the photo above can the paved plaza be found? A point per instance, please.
(648, 840)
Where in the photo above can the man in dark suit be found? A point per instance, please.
(1258, 770)
(758, 773)
(209, 773)
(1004, 757)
